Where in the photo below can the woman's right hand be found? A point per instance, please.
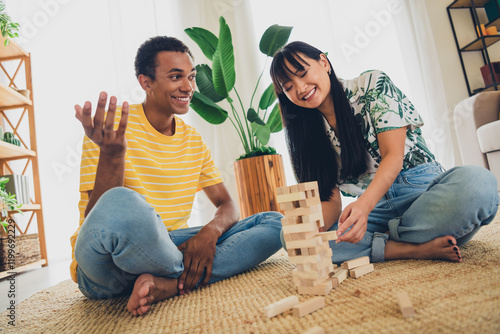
(111, 142)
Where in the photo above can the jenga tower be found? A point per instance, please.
(307, 248)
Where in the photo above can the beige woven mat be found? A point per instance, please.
(448, 298)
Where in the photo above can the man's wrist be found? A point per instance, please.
(213, 230)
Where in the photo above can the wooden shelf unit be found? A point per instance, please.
(10, 99)
(480, 44)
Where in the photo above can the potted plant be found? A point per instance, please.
(7, 27)
(260, 169)
(8, 203)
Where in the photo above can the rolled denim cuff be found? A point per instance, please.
(393, 228)
(378, 246)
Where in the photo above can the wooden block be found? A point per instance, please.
(295, 196)
(312, 217)
(309, 306)
(282, 190)
(326, 236)
(312, 242)
(297, 228)
(315, 330)
(281, 306)
(286, 206)
(339, 276)
(322, 289)
(302, 211)
(309, 202)
(360, 261)
(360, 271)
(305, 259)
(313, 185)
(297, 236)
(310, 275)
(291, 220)
(405, 305)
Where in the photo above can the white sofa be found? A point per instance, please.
(477, 126)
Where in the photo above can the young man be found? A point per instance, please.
(141, 167)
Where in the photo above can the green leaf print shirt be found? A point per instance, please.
(379, 106)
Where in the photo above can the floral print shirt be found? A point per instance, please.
(379, 106)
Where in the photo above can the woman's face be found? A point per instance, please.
(310, 86)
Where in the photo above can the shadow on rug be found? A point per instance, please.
(447, 297)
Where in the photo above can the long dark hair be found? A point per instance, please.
(311, 150)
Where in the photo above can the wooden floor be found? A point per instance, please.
(33, 281)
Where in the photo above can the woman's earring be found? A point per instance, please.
(329, 71)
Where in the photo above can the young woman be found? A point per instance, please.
(362, 137)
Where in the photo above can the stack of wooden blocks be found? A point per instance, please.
(307, 248)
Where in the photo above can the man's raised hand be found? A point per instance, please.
(101, 131)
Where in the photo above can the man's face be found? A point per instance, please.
(175, 82)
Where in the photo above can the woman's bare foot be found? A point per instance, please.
(149, 289)
(443, 248)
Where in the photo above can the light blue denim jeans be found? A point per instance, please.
(426, 202)
(122, 237)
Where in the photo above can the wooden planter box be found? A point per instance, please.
(257, 179)
(27, 250)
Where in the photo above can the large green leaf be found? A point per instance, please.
(274, 121)
(267, 98)
(274, 38)
(207, 109)
(253, 117)
(263, 134)
(224, 74)
(205, 82)
(205, 40)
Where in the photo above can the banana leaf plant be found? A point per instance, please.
(7, 27)
(253, 123)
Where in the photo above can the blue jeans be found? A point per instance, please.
(424, 203)
(122, 237)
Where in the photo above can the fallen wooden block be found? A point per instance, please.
(339, 276)
(360, 261)
(281, 306)
(405, 305)
(309, 306)
(326, 236)
(315, 330)
(360, 271)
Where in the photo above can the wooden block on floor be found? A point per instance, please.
(313, 185)
(360, 261)
(327, 236)
(405, 305)
(360, 271)
(281, 306)
(309, 306)
(312, 242)
(297, 228)
(295, 196)
(339, 276)
(320, 289)
(315, 330)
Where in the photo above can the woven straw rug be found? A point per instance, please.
(448, 298)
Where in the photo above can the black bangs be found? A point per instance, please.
(280, 72)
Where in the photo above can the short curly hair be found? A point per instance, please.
(145, 60)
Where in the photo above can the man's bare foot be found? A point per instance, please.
(149, 289)
(442, 248)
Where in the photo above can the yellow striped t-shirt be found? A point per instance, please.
(166, 170)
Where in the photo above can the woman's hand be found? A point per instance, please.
(355, 216)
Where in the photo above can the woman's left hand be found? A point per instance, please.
(355, 215)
